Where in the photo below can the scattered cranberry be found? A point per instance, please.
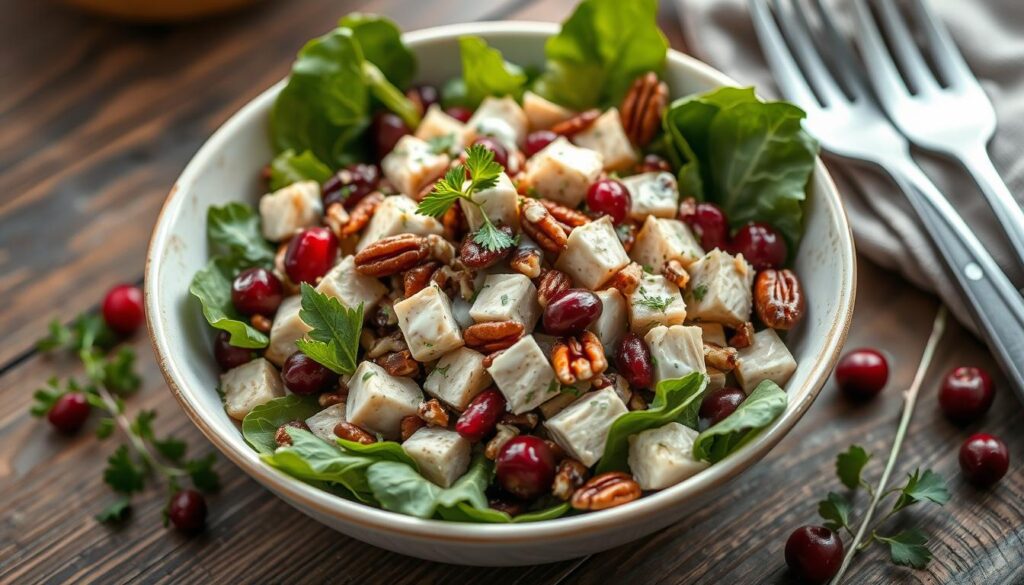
(984, 459)
(862, 373)
(69, 413)
(481, 415)
(499, 150)
(424, 96)
(536, 141)
(761, 245)
(303, 375)
(460, 113)
(718, 404)
(814, 553)
(229, 356)
(571, 312)
(351, 184)
(187, 511)
(708, 223)
(388, 128)
(525, 466)
(652, 163)
(256, 291)
(609, 197)
(966, 394)
(633, 359)
(310, 254)
(122, 309)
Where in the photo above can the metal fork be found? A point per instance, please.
(843, 115)
(951, 115)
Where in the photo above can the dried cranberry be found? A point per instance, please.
(966, 394)
(611, 198)
(862, 373)
(69, 412)
(525, 467)
(536, 141)
(481, 415)
(708, 223)
(351, 184)
(460, 113)
(303, 375)
(499, 150)
(310, 254)
(187, 511)
(761, 245)
(814, 553)
(984, 459)
(122, 309)
(477, 257)
(633, 360)
(256, 291)
(387, 130)
(719, 404)
(229, 356)
(572, 311)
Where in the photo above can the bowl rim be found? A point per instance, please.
(313, 500)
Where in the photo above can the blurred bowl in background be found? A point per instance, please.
(156, 11)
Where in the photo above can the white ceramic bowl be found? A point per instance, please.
(227, 168)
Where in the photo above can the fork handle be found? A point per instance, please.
(1006, 209)
(995, 303)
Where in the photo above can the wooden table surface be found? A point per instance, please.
(99, 117)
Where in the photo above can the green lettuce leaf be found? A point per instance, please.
(288, 168)
(380, 451)
(316, 461)
(234, 231)
(212, 286)
(466, 513)
(486, 73)
(765, 404)
(260, 426)
(381, 43)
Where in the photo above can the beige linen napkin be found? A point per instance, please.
(990, 34)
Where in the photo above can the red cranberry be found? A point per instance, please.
(571, 312)
(424, 95)
(609, 197)
(984, 459)
(310, 254)
(122, 309)
(862, 373)
(460, 113)
(69, 413)
(387, 129)
(966, 394)
(481, 415)
(633, 360)
(536, 141)
(653, 163)
(256, 291)
(708, 223)
(303, 375)
(187, 511)
(718, 404)
(351, 184)
(525, 466)
(499, 150)
(229, 356)
(761, 245)
(814, 553)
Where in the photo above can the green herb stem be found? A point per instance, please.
(138, 445)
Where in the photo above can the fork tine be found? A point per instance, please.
(796, 28)
(847, 68)
(907, 53)
(787, 74)
(889, 86)
(947, 57)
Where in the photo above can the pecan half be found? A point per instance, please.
(578, 360)
(526, 421)
(577, 123)
(391, 255)
(399, 363)
(350, 432)
(491, 336)
(552, 283)
(411, 424)
(433, 413)
(674, 271)
(489, 358)
(626, 280)
(377, 346)
(418, 278)
(336, 216)
(526, 261)
(477, 257)
(778, 298)
(282, 438)
(504, 433)
(570, 476)
(743, 336)
(606, 490)
(720, 358)
(261, 323)
(440, 249)
(331, 398)
(455, 281)
(542, 227)
(565, 215)
(642, 108)
(361, 214)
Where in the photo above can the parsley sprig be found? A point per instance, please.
(334, 337)
(483, 173)
(652, 302)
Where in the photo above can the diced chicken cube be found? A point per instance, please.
(428, 325)
(377, 401)
(500, 203)
(344, 283)
(500, 118)
(437, 125)
(507, 297)
(441, 455)
(607, 136)
(248, 386)
(286, 330)
(322, 423)
(661, 240)
(581, 429)
(542, 114)
(767, 358)
(524, 376)
(562, 172)
(720, 289)
(655, 193)
(613, 322)
(397, 215)
(656, 301)
(675, 351)
(412, 164)
(593, 254)
(290, 208)
(662, 457)
(713, 333)
(458, 377)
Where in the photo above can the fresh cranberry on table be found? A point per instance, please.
(69, 412)
(387, 129)
(609, 197)
(459, 113)
(229, 356)
(122, 309)
(966, 394)
(256, 291)
(633, 360)
(571, 312)
(187, 511)
(984, 459)
(525, 467)
(424, 96)
(303, 375)
(537, 140)
(499, 150)
(481, 415)
(814, 554)
(350, 184)
(718, 404)
(310, 254)
(708, 223)
(761, 245)
(862, 373)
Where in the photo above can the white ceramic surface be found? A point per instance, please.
(227, 168)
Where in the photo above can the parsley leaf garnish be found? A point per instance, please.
(908, 548)
(835, 511)
(653, 303)
(699, 291)
(117, 511)
(919, 487)
(123, 474)
(334, 338)
(849, 465)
